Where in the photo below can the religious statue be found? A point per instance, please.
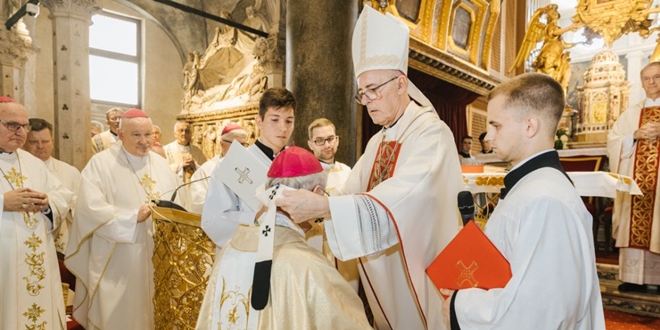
(208, 142)
(253, 21)
(190, 78)
(552, 59)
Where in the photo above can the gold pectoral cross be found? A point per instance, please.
(15, 177)
(149, 184)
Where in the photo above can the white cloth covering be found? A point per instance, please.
(545, 234)
(30, 284)
(109, 252)
(399, 227)
(636, 266)
(199, 186)
(70, 178)
(223, 211)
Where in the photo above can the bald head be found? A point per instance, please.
(15, 125)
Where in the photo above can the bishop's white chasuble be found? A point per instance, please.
(30, 284)
(636, 219)
(401, 215)
(109, 252)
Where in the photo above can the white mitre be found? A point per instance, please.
(380, 42)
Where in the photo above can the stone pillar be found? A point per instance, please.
(319, 69)
(71, 20)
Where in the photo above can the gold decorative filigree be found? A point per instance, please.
(35, 263)
(237, 300)
(384, 164)
(33, 314)
(15, 177)
(183, 257)
(647, 161)
(613, 18)
(490, 180)
(33, 242)
(148, 183)
(625, 180)
(467, 273)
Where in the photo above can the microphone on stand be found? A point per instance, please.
(171, 204)
(466, 206)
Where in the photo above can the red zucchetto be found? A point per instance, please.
(5, 99)
(230, 127)
(134, 113)
(292, 162)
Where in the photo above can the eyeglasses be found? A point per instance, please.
(371, 93)
(243, 144)
(14, 126)
(330, 140)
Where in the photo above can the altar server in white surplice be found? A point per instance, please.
(324, 141)
(223, 209)
(33, 201)
(200, 180)
(306, 291)
(400, 209)
(111, 242)
(540, 224)
(40, 144)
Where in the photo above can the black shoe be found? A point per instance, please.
(630, 287)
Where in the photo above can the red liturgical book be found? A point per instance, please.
(470, 260)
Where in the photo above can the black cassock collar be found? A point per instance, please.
(546, 159)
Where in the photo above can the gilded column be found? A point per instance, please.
(71, 20)
(319, 69)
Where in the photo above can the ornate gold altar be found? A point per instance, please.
(605, 92)
(602, 99)
(183, 259)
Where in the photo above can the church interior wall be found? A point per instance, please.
(42, 38)
(162, 65)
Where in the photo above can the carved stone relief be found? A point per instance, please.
(84, 8)
(14, 48)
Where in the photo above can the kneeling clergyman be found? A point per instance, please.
(305, 290)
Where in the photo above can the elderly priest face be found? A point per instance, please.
(13, 131)
(135, 132)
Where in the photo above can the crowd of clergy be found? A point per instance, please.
(303, 241)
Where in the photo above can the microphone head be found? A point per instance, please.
(465, 203)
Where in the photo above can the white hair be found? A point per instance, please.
(306, 182)
(235, 134)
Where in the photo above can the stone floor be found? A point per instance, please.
(647, 304)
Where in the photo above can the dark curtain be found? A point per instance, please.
(449, 100)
